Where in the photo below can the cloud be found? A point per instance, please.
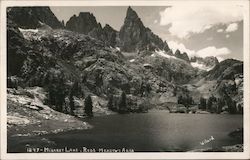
(175, 45)
(227, 36)
(205, 52)
(232, 27)
(155, 21)
(194, 19)
(210, 38)
(213, 51)
(220, 30)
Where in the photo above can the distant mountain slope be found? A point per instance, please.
(226, 70)
(206, 63)
(33, 17)
(180, 55)
(89, 58)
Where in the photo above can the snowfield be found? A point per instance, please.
(163, 54)
(28, 30)
(201, 66)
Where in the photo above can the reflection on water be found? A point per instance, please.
(154, 131)
(157, 131)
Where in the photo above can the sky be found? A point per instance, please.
(198, 30)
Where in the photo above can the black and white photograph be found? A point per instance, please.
(125, 78)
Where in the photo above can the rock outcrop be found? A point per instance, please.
(182, 56)
(33, 17)
(110, 35)
(208, 62)
(134, 36)
(86, 24)
(226, 70)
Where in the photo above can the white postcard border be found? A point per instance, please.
(145, 155)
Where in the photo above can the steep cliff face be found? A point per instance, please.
(33, 17)
(110, 35)
(134, 36)
(226, 70)
(86, 24)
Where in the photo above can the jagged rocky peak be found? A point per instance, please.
(134, 36)
(110, 35)
(131, 14)
(180, 55)
(107, 27)
(83, 23)
(208, 61)
(86, 23)
(33, 17)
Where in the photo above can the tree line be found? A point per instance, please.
(212, 104)
(215, 105)
(121, 107)
(58, 91)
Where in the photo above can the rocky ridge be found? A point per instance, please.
(33, 17)
(85, 23)
(60, 57)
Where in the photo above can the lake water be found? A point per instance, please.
(153, 131)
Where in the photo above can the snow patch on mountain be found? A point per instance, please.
(28, 30)
(132, 60)
(30, 34)
(118, 48)
(201, 66)
(163, 54)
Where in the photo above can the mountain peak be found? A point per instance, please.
(33, 17)
(131, 14)
(86, 14)
(83, 23)
(134, 36)
(180, 55)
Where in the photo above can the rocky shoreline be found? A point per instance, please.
(28, 116)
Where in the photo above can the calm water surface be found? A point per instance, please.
(154, 131)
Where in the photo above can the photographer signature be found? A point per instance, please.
(205, 141)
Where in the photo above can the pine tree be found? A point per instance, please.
(76, 89)
(148, 89)
(60, 95)
(220, 104)
(88, 106)
(123, 103)
(240, 108)
(110, 103)
(209, 103)
(175, 91)
(71, 103)
(202, 104)
(180, 100)
(231, 104)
